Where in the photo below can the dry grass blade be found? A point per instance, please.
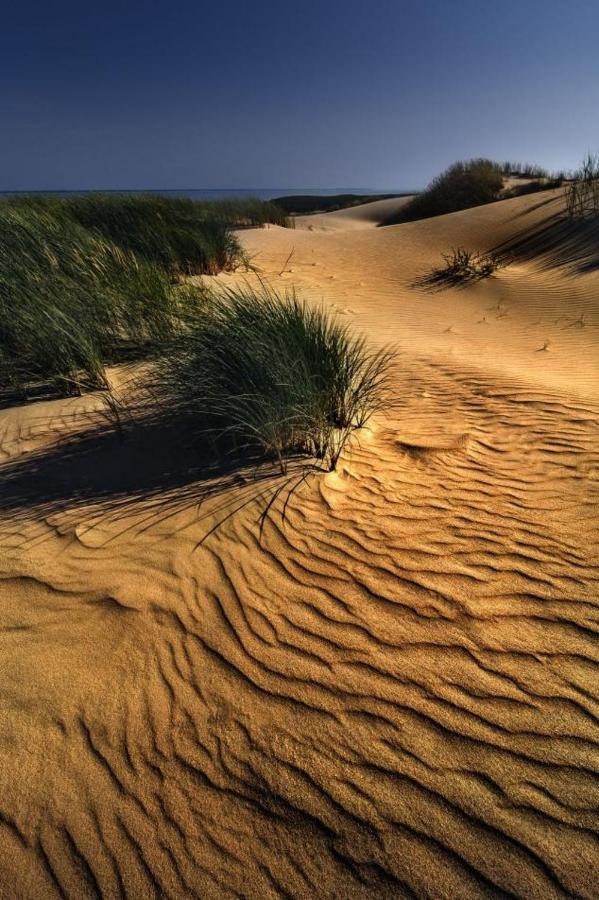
(582, 193)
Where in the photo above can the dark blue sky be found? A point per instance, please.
(290, 93)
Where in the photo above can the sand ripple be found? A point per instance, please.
(391, 692)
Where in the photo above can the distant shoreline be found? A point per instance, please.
(214, 193)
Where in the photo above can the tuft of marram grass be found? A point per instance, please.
(178, 235)
(69, 299)
(182, 236)
(83, 276)
(262, 372)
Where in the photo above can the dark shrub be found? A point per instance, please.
(462, 185)
(466, 265)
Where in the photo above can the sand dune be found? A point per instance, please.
(542, 296)
(392, 691)
(365, 215)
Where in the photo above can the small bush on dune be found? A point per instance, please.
(462, 185)
(264, 373)
(474, 183)
(466, 265)
(582, 193)
(68, 299)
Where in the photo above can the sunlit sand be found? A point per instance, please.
(387, 690)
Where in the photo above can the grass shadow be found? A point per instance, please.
(150, 471)
(556, 242)
(462, 268)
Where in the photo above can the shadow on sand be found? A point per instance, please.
(441, 278)
(153, 470)
(557, 242)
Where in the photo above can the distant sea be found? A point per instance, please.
(220, 193)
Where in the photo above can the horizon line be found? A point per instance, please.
(209, 190)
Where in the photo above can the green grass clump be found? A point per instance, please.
(69, 298)
(179, 235)
(82, 276)
(260, 372)
(182, 236)
(462, 185)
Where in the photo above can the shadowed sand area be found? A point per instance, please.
(393, 690)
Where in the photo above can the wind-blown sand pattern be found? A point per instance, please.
(390, 692)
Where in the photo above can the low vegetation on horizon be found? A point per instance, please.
(471, 183)
(258, 372)
(306, 204)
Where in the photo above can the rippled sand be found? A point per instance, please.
(390, 691)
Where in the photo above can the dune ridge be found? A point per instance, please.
(389, 691)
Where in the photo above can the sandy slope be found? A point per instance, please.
(373, 277)
(365, 215)
(392, 693)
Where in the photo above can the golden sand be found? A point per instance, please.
(391, 692)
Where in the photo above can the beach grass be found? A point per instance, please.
(69, 298)
(260, 372)
(179, 235)
(183, 236)
(83, 276)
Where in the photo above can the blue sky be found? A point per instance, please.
(317, 93)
